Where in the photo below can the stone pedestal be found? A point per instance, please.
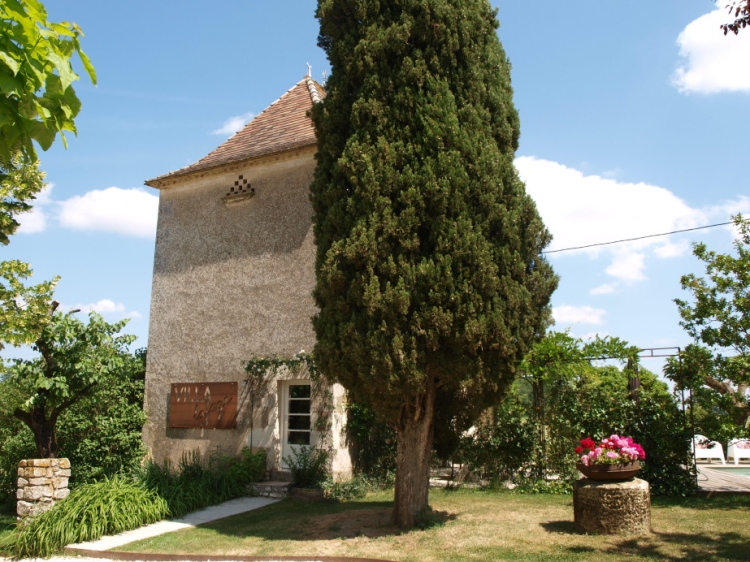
(612, 508)
(41, 482)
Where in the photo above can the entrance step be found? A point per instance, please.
(271, 489)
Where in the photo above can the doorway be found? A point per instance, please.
(296, 418)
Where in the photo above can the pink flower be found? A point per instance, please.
(612, 455)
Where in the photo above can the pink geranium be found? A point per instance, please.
(611, 450)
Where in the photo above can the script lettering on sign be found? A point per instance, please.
(211, 405)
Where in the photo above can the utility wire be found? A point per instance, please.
(638, 238)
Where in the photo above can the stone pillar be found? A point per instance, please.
(41, 482)
(612, 508)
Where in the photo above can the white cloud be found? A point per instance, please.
(627, 266)
(104, 306)
(35, 220)
(605, 289)
(672, 249)
(124, 211)
(32, 222)
(568, 315)
(582, 209)
(233, 124)
(713, 62)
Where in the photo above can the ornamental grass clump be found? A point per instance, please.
(611, 450)
(108, 507)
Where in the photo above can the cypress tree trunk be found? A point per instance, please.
(414, 451)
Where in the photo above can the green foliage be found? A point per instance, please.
(430, 279)
(526, 485)
(502, 443)
(249, 468)
(347, 490)
(372, 443)
(198, 482)
(101, 434)
(309, 466)
(38, 100)
(560, 398)
(74, 358)
(24, 310)
(428, 248)
(20, 182)
(16, 443)
(717, 367)
(107, 507)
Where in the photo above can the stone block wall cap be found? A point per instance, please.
(22, 464)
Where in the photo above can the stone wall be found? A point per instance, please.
(41, 482)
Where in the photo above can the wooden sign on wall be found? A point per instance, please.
(211, 405)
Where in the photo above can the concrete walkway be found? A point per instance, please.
(226, 509)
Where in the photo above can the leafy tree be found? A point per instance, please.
(74, 357)
(561, 397)
(430, 278)
(23, 310)
(38, 100)
(100, 434)
(718, 319)
(740, 11)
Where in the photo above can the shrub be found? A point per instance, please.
(347, 490)
(372, 443)
(309, 467)
(502, 443)
(196, 483)
(91, 511)
(16, 443)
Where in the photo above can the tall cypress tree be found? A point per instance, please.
(430, 281)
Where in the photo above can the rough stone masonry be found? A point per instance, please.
(41, 482)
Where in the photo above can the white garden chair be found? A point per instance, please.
(739, 449)
(704, 448)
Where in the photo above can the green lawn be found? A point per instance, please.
(473, 526)
(7, 524)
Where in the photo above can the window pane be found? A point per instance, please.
(299, 422)
(299, 406)
(299, 438)
(299, 391)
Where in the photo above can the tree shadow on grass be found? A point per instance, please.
(661, 546)
(293, 520)
(724, 502)
(691, 546)
(567, 527)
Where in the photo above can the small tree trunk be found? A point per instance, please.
(43, 430)
(414, 451)
(46, 441)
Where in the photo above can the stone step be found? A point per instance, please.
(271, 489)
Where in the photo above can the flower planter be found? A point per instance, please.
(609, 472)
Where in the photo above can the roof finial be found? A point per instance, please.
(309, 70)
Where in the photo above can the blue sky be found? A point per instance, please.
(633, 121)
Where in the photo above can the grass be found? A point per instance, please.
(468, 526)
(7, 524)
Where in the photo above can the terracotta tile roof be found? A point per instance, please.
(283, 125)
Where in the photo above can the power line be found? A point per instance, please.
(637, 238)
